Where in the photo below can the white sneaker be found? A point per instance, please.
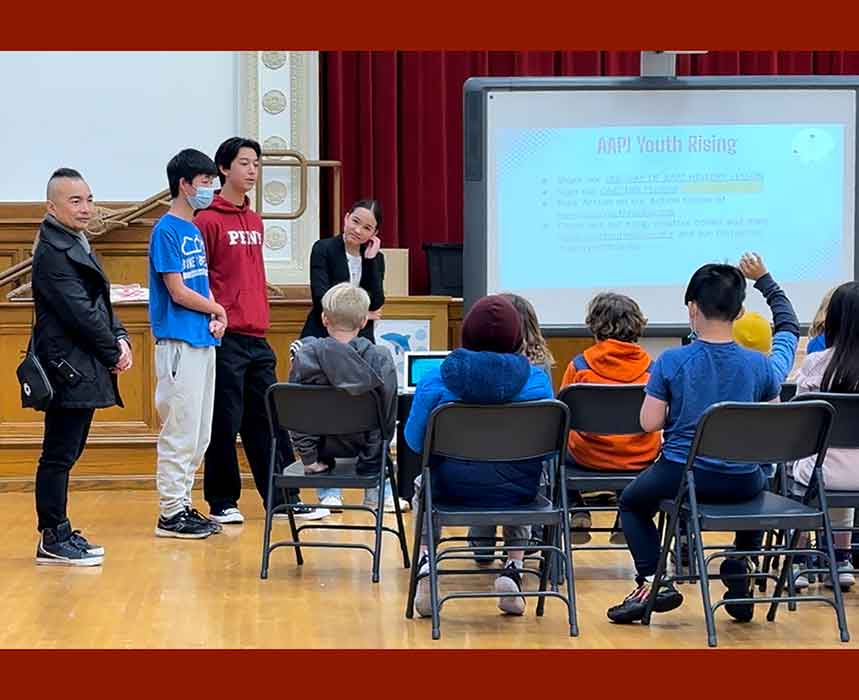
(314, 514)
(227, 516)
(510, 581)
(333, 503)
(800, 581)
(423, 600)
(845, 578)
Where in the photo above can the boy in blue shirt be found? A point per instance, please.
(187, 324)
(683, 384)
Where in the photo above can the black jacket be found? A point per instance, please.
(328, 267)
(74, 320)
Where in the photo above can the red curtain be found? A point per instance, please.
(394, 118)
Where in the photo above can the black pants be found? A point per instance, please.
(639, 502)
(245, 368)
(66, 431)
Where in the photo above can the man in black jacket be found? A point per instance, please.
(82, 347)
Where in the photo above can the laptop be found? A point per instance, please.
(417, 364)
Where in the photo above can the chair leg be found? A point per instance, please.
(415, 570)
(380, 516)
(566, 548)
(299, 557)
(704, 578)
(671, 537)
(401, 530)
(833, 577)
(784, 577)
(266, 536)
(433, 577)
(544, 571)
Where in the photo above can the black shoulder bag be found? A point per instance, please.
(36, 389)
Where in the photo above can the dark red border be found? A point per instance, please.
(423, 673)
(429, 24)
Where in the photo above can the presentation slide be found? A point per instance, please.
(637, 207)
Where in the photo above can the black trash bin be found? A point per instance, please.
(444, 266)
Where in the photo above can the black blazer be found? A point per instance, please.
(74, 320)
(328, 267)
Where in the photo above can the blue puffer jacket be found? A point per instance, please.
(479, 378)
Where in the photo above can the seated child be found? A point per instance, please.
(684, 383)
(835, 369)
(346, 361)
(753, 331)
(488, 369)
(536, 349)
(616, 323)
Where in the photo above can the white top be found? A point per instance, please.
(354, 262)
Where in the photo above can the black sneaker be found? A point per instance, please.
(633, 606)
(184, 526)
(510, 581)
(735, 575)
(57, 547)
(195, 514)
(484, 558)
(81, 541)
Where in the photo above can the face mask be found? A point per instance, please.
(203, 198)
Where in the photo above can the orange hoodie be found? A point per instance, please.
(612, 362)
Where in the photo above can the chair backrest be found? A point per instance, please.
(606, 409)
(763, 432)
(845, 429)
(322, 410)
(506, 432)
(788, 391)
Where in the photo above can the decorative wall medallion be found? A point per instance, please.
(274, 102)
(275, 143)
(274, 59)
(275, 237)
(274, 192)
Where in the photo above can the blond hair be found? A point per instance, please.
(346, 307)
(534, 345)
(817, 325)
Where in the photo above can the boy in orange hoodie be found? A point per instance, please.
(616, 323)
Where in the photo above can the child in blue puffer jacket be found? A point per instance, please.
(488, 369)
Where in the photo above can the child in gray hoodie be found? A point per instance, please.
(351, 363)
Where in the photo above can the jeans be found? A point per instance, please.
(245, 369)
(369, 494)
(639, 503)
(66, 431)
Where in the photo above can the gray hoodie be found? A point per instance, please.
(356, 367)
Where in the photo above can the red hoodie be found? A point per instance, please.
(234, 239)
(612, 362)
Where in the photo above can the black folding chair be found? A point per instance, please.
(501, 433)
(602, 409)
(755, 434)
(322, 410)
(845, 434)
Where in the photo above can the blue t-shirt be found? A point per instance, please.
(176, 245)
(692, 378)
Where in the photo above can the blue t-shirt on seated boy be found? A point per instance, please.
(177, 246)
(684, 383)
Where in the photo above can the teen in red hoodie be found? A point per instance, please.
(616, 322)
(245, 365)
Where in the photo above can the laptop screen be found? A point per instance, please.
(419, 363)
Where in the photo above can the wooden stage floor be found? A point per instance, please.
(164, 593)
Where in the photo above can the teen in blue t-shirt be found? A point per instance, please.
(187, 324)
(685, 382)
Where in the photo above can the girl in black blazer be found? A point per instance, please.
(353, 256)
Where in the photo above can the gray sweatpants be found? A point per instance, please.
(184, 399)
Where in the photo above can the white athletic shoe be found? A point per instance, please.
(227, 516)
(332, 503)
